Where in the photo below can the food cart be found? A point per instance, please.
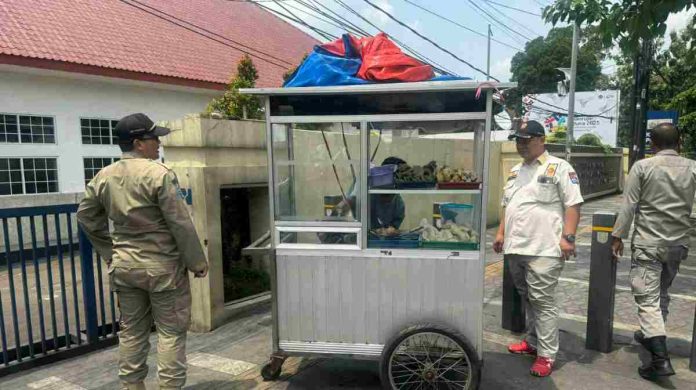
(378, 198)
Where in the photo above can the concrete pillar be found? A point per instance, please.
(206, 155)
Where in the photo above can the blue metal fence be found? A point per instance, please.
(64, 314)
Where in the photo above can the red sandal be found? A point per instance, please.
(542, 367)
(522, 348)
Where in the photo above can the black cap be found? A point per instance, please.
(528, 129)
(138, 126)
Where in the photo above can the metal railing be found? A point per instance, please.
(52, 311)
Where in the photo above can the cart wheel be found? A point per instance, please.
(271, 370)
(431, 357)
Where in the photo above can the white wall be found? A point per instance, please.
(69, 97)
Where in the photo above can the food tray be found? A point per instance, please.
(407, 240)
(465, 246)
(404, 185)
(459, 186)
(394, 244)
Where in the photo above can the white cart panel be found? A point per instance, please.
(358, 301)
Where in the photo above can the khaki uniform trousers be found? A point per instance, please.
(652, 273)
(536, 278)
(144, 295)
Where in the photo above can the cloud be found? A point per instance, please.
(501, 69)
(376, 16)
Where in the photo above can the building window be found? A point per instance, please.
(40, 175)
(98, 131)
(28, 129)
(95, 164)
(28, 176)
(9, 132)
(10, 176)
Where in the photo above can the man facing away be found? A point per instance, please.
(149, 249)
(541, 203)
(659, 196)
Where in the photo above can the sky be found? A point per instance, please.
(465, 44)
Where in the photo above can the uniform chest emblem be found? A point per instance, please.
(551, 170)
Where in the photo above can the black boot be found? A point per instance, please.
(660, 364)
(640, 338)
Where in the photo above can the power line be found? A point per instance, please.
(246, 49)
(298, 9)
(498, 25)
(577, 114)
(512, 19)
(359, 31)
(461, 25)
(324, 34)
(439, 68)
(513, 8)
(341, 24)
(336, 17)
(499, 22)
(426, 38)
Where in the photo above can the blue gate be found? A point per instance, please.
(57, 290)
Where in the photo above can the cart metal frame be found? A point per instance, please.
(364, 262)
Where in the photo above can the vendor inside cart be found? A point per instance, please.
(387, 210)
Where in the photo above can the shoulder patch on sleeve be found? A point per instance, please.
(573, 177)
(513, 175)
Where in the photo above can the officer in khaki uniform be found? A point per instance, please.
(150, 248)
(541, 203)
(659, 195)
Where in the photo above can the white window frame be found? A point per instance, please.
(24, 180)
(112, 124)
(19, 130)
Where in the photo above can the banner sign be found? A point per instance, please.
(596, 112)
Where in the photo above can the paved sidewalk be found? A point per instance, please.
(231, 356)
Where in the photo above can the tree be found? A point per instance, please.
(535, 71)
(672, 83)
(626, 21)
(634, 25)
(234, 105)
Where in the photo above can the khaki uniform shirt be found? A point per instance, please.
(535, 198)
(151, 225)
(659, 194)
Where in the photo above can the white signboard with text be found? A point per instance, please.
(596, 112)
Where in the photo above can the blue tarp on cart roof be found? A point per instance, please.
(339, 63)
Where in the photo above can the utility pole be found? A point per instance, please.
(488, 62)
(571, 95)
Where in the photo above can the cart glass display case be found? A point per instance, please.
(378, 196)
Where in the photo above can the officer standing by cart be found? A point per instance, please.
(541, 204)
(659, 195)
(149, 249)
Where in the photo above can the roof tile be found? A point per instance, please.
(125, 35)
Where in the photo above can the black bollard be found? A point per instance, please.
(513, 305)
(600, 302)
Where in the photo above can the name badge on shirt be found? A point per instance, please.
(546, 180)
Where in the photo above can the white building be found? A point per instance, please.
(69, 70)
